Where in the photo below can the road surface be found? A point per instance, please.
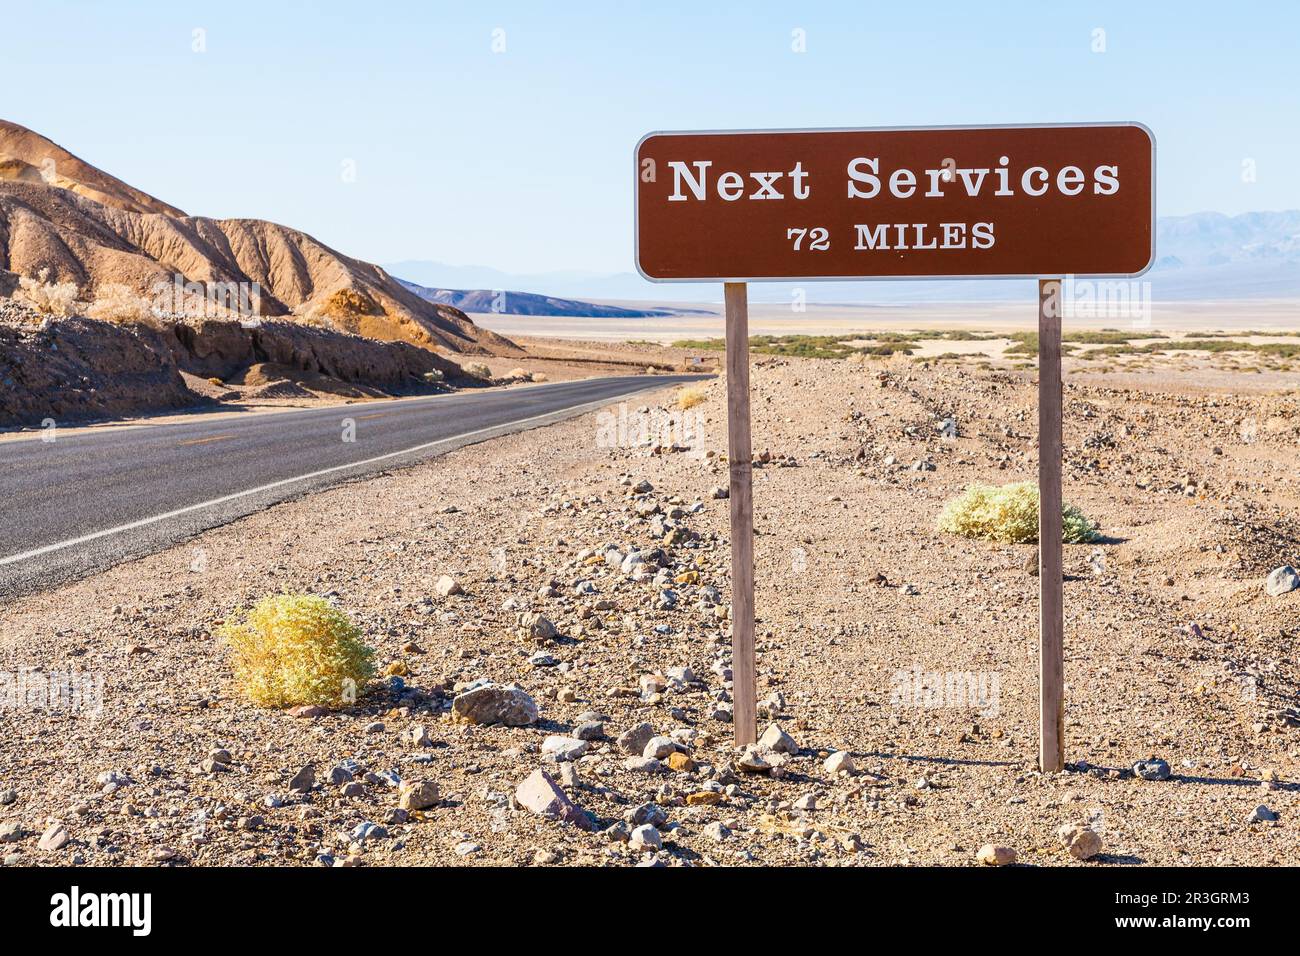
(93, 498)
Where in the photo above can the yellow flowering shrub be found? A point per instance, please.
(294, 649)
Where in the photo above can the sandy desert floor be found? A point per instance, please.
(871, 623)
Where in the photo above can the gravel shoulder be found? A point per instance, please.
(909, 650)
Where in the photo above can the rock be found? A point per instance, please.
(1261, 814)
(643, 765)
(447, 586)
(1281, 580)
(340, 775)
(418, 736)
(417, 795)
(564, 748)
(840, 762)
(991, 854)
(807, 802)
(1153, 769)
(591, 730)
(374, 727)
(720, 492)
(650, 813)
(659, 747)
(716, 831)
(778, 741)
(645, 837)
(569, 775)
(214, 766)
(704, 798)
(536, 626)
(55, 838)
(368, 831)
(634, 740)
(8, 796)
(307, 711)
(163, 854)
(303, 780)
(753, 761)
(467, 848)
(618, 833)
(1082, 841)
(495, 704)
(543, 796)
(679, 762)
(10, 831)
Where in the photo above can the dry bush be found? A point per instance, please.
(294, 649)
(122, 305)
(477, 370)
(691, 396)
(58, 299)
(1008, 514)
(538, 376)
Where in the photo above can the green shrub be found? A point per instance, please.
(1008, 514)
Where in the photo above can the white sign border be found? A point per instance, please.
(636, 201)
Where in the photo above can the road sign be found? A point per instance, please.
(935, 202)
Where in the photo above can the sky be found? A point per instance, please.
(501, 134)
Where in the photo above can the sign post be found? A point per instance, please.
(1051, 593)
(994, 202)
(740, 464)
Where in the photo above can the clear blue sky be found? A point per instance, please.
(521, 159)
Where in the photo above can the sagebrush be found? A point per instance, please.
(1009, 514)
(58, 299)
(122, 305)
(691, 396)
(294, 649)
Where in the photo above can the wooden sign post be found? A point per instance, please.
(1051, 593)
(999, 202)
(740, 464)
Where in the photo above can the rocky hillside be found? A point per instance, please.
(79, 369)
(61, 215)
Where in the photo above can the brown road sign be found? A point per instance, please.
(938, 202)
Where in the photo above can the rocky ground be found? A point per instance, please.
(574, 585)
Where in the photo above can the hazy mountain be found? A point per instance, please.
(1206, 255)
(526, 303)
(64, 217)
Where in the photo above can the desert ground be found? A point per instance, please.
(898, 662)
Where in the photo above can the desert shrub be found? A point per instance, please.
(293, 649)
(476, 370)
(49, 298)
(1008, 514)
(121, 305)
(538, 376)
(691, 396)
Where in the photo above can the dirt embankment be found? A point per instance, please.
(80, 369)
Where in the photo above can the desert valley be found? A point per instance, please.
(546, 612)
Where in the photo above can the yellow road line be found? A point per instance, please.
(204, 441)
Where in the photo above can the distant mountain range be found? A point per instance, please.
(1203, 256)
(527, 303)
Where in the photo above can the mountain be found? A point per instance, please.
(527, 303)
(62, 216)
(1206, 255)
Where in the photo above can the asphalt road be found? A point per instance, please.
(93, 498)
